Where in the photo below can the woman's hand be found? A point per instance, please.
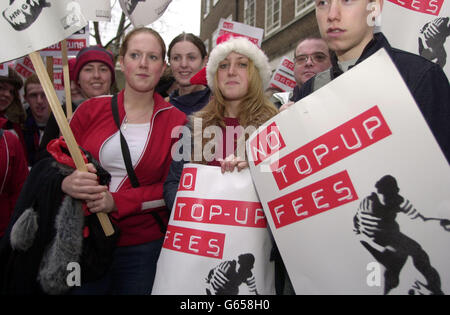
(232, 162)
(104, 204)
(83, 185)
(286, 106)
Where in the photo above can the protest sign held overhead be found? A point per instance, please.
(283, 78)
(425, 30)
(254, 34)
(218, 233)
(24, 23)
(144, 12)
(355, 188)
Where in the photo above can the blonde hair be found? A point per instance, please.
(255, 108)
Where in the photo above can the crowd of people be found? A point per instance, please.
(128, 137)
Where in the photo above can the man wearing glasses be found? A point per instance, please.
(310, 58)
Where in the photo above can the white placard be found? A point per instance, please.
(98, 10)
(144, 12)
(316, 167)
(30, 25)
(3, 69)
(254, 34)
(425, 28)
(217, 241)
(283, 78)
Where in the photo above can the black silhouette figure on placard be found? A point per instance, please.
(23, 13)
(432, 39)
(226, 278)
(376, 219)
(131, 5)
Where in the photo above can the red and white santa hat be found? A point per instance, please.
(241, 45)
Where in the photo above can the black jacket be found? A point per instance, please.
(190, 103)
(426, 82)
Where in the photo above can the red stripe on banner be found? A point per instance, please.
(195, 242)
(188, 179)
(353, 136)
(284, 80)
(432, 7)
(322, 196)
(72, 45)
(288, 64)
(23, 71)
(266, 143)
(226, 212)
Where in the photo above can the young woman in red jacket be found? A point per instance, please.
(146, 122)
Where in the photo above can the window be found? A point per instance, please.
(303, 6)
(250, 12)
(273, 15)
(207, 8)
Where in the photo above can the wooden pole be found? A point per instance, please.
(64, 127)
(65, 63)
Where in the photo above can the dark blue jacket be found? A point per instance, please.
(190, 103)
(426, 82)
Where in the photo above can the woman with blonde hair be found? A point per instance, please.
(237, 73)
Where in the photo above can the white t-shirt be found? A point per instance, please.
(111, 156)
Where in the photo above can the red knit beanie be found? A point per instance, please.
(94, 54)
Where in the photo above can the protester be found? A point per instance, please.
(37, 116)
(75, 91)
(349, 32)
(311, 57)
(187, 56)
(13, 172)
(237, 73)
(146, 123)
(93, 72)
(11, 107)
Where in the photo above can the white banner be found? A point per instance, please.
(98, 10)
(30, 25)
(283, 77)
(144, 12)
(217, 241)
(254, 34)
(424, 29)
(356, 189)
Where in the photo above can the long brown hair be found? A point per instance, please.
(255, 108)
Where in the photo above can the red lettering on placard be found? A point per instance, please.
(288, 64)
(284, 80)
(432, 7)
(23, 71)
(325, 195)
(228, 25)
(72, 45)
(27, 62)
(226, 212)
(266, 143)
(195, 242)
(188, 179)
(334, 146)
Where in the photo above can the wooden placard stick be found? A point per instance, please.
(64, 127)
(65, 63)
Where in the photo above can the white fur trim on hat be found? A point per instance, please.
(243, 46)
